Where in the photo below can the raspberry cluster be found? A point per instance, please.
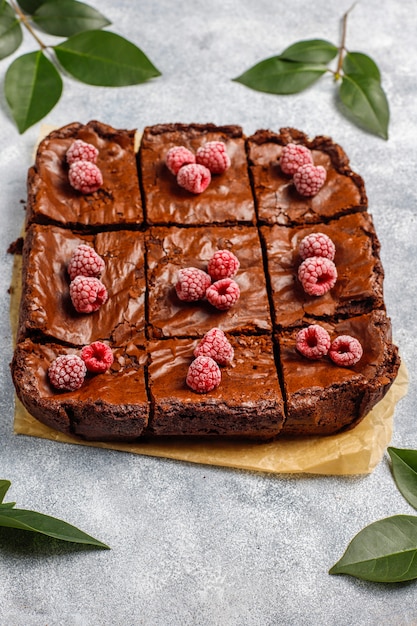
(193, 171)
(83, 173)
(297, 161)
(314, 343)
(87, 292)
(204, 373)
(317, 272)
(68, 371)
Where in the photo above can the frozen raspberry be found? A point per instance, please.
(192, 284)
(317, 244)
(203, 374)
(293, 156)
(98, 357)
(87, 294)
(216, 345)
(223, 264)
(85, 261)
(195, 178)
(213, 155)
(85, 177)
(345, 350)
(67, 372)
(79, 150)
(309, 179)
(223, 293)
(178, 156)
(313, 341)
(317, 275)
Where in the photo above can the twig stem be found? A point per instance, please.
(27, 24)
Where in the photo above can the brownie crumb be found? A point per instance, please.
(16, 247)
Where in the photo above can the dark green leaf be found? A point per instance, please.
(10, 30)
(4, 487)
(278, 76)
(46, 525)
(32, 87)
(103, 58)
(404, 469)
(366, 103)
(68, 17)
(310, 51)
(30, 6)
(385, 551)
(359, 63)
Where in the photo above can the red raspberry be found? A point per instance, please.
(87, 294)
(313, 341)
(194, 178)
(79, 150)
(309, 179)
(67, 372)
(317, 244)
(203, 374)
(293, 156)
(223, 264)
(192, 284)
(213, 155)
(345, 350)
(85, 177)
(317, 275)
(223, 293)
(85, 261)
(178, 156)
(216, 345)
(98, 357)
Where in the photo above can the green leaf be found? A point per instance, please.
(4, 487)
(366, 103)
(385, 551)
(32, 87)
(359, 63)
(104, 58)
(404, 469)
(46, 525)
(68, 17)
(278, 76)
(30, 6)
(310, 51)
(10, 30)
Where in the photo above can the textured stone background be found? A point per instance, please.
(192, 544)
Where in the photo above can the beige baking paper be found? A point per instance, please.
(354, 452)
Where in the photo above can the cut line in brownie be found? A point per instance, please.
(171, 249)
(277, 200)
(117, 204)
(227, 200)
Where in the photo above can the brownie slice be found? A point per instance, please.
(248, 402)
(277, 200)
(117, 204)
(359, 285)
(228, 198)
(109, 406)
(324, 398)
(171, 249)
(46, 308)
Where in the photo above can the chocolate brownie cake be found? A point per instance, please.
(147, 229)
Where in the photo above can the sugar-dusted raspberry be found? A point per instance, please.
(98, 357)
(192, 284)
(313, 341)
(195, 178)
(213, 155)
(87, 294)
(317, 275)
(85, 176)
(317, 244)
(85, 261)
(216, 345)
(223, 264)
(80, 150)
(345, 350)
(67, 372)
(178, 156)
(293, 156)
(309, 179)
(203, 374)
(223, 293)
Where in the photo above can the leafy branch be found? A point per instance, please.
(33, 83)
(300, 65)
